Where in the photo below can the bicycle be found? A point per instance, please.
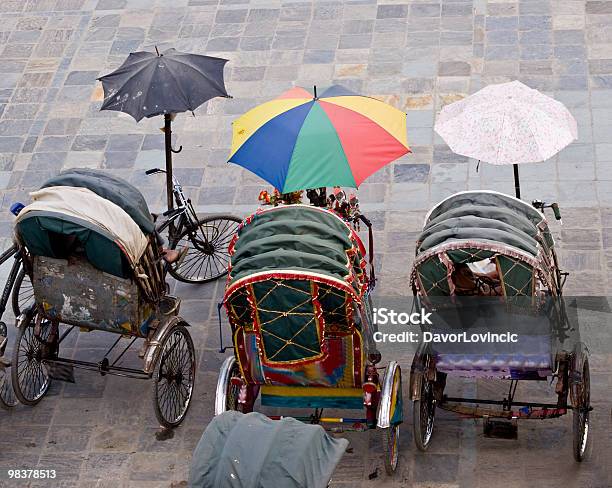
(207, 238)
(18, 288)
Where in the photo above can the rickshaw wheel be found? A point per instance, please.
(581, 412)
(228, 391)
(207, 257)
(29, 372)
(424, 411)
(232, 391)
(23, 293)
(7, 395)
(174, 377)
(390, 441)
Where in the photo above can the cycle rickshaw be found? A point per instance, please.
(298, 302)
(88, 243)
(486, 262)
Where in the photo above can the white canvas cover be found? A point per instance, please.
(84, 204)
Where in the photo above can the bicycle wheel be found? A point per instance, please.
(207, 256)
(23, 293)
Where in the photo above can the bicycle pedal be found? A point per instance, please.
(62, 372)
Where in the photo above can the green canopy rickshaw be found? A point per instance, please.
(486, 263)
(298, 302)
(89, 245)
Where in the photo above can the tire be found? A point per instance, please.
(232, 391)
(581, 420)
(207, 257)
(423, 414)
(7, 395)
(29, 372)
(174, 377)
(390, 415)
(8, 399)
(23, 293)
(390, 442)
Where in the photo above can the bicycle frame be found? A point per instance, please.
(12, 251)
(184, 212)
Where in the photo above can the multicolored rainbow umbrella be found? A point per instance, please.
(299, 141)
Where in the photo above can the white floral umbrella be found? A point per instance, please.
(508, 123)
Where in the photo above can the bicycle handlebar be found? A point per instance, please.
(365, 220)
(153, 171)
(540, 205)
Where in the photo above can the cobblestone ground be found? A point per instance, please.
(418, 56)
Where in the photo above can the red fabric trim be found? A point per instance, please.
(288, 275)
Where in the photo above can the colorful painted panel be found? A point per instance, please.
(301, 397)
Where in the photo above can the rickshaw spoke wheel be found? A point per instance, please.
(581, 417)
(23, 293)
(29, 372)
(207, 257)
(7, 395)
(174, 377)
(390, 440)
(424, 411)
(232, 391)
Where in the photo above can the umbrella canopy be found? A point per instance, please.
(507, 123)
(147, 84)
(300, 141)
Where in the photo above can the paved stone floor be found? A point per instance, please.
(416, 55)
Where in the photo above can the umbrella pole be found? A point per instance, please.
(517, 184)
(168, 144)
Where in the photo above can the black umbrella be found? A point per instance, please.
(149, 84)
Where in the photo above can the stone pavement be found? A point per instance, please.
(417, 55)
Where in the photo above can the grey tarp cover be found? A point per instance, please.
(293, 237)
(489, 216)
(252, 451)
(117, 190)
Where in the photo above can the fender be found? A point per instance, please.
(384, 407)
(152, 352)
(576, 364)
(222, 381)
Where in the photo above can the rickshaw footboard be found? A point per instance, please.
(528, 410)
(332, 424)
